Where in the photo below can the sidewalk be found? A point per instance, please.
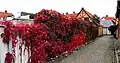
(117, 50)
(99, 51)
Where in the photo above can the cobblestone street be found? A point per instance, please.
(99, 51)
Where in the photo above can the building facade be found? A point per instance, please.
(118, 19)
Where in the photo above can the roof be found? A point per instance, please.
(106, 23)
(72, 15)
(26, 13)
(108, 18)
(4, 14)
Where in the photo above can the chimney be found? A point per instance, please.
(66, 13)
(5, 11)
(106, 15)
(74, 12)
(82, 8)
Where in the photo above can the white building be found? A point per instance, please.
(106, 22)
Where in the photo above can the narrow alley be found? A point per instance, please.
(99, 51)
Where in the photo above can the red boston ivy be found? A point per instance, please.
(9, 58)
(52, 34)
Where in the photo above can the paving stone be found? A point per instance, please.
(100, 51)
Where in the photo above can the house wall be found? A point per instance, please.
(106, 31)
(100, 30)
(118, 30)
(22, 21)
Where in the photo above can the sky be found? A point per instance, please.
(99, 7)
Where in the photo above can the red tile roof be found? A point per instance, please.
(4, 14)
(74, 15)
(109, 18)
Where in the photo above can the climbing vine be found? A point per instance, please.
(52, 34)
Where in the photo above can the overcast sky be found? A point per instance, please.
(99, 7)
